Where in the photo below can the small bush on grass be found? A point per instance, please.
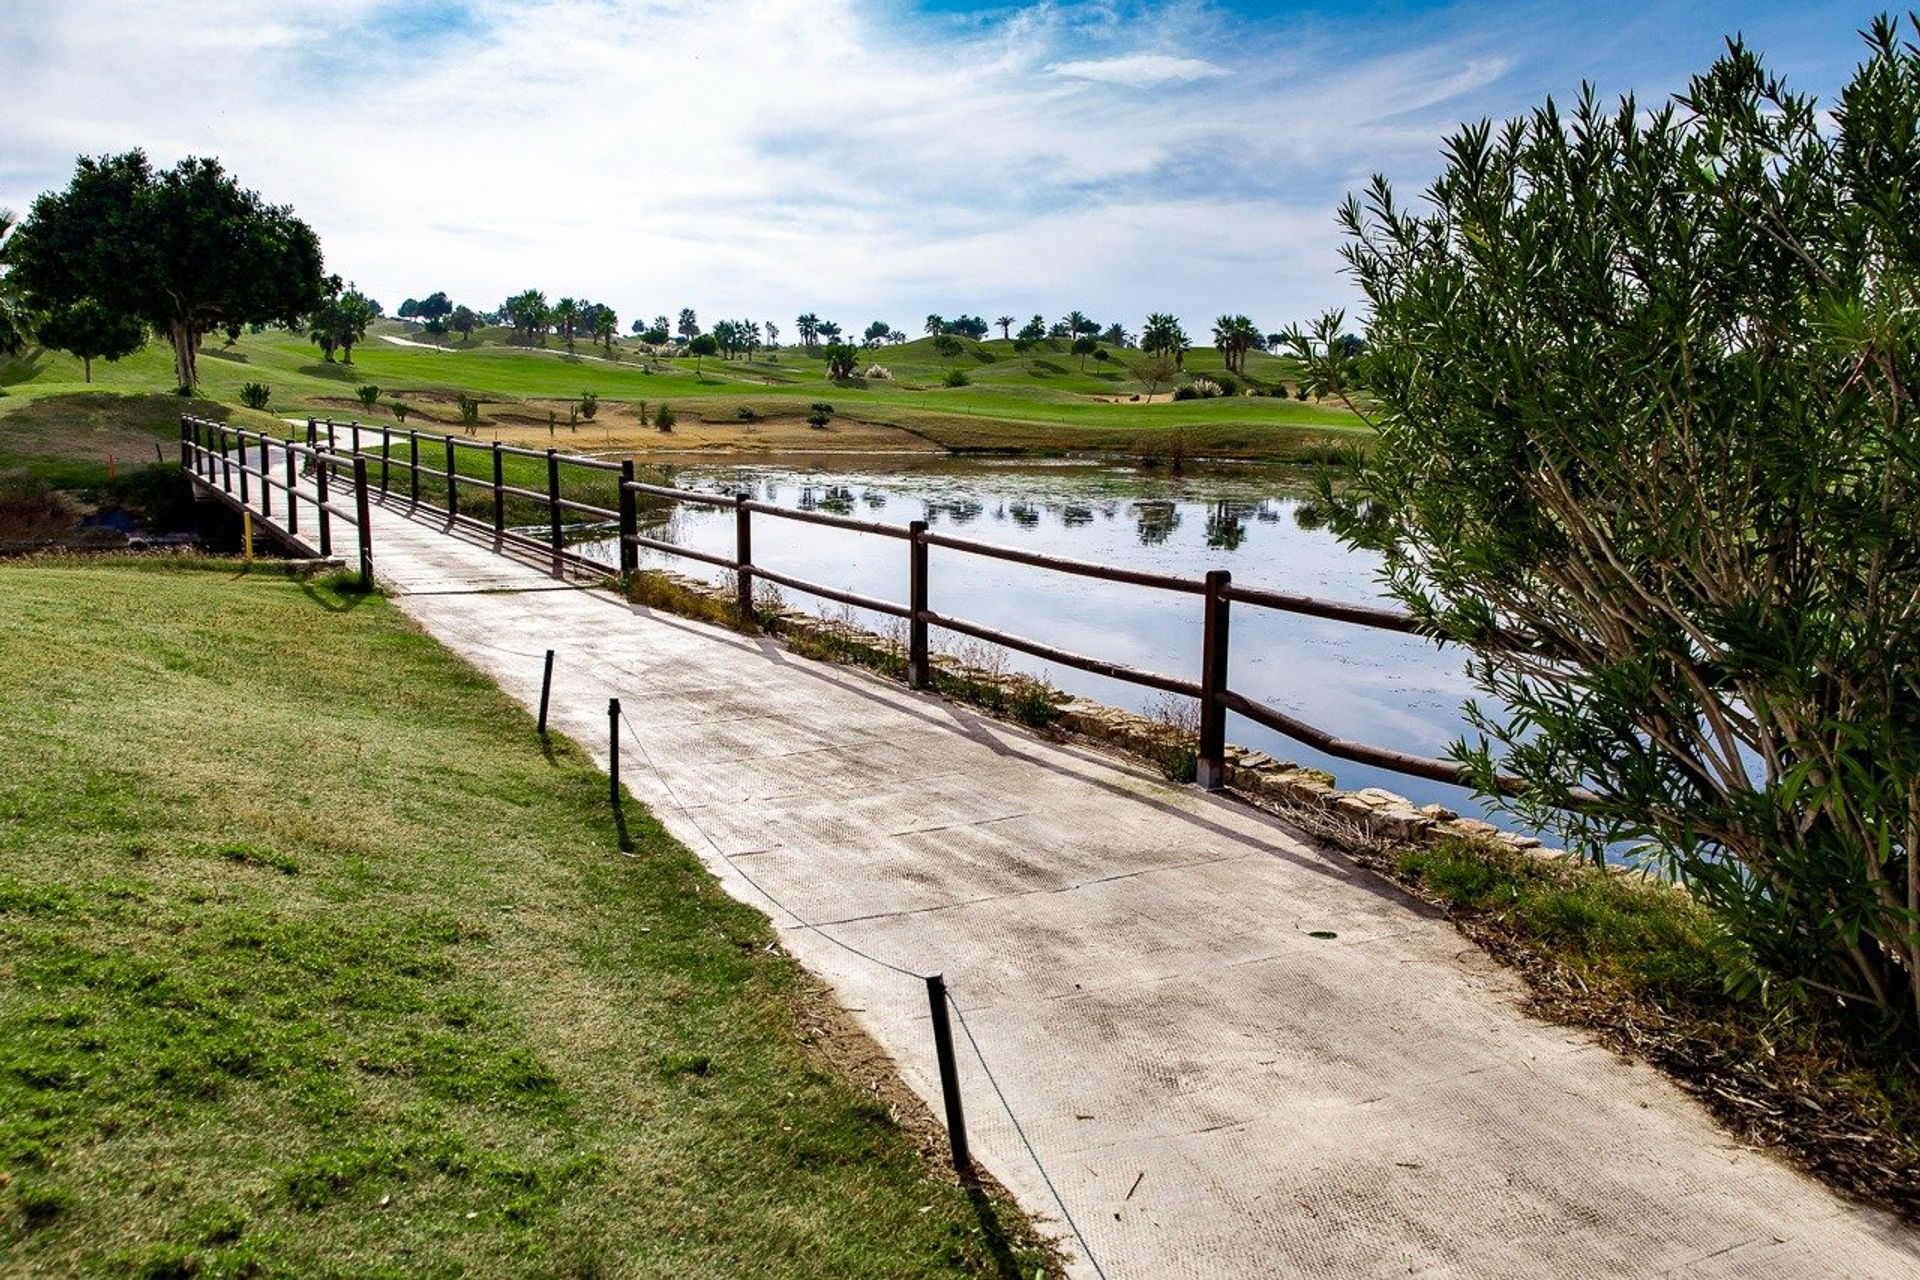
(255, 395)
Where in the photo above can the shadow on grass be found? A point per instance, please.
(999, 1244)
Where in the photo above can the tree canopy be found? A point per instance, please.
(91, 331)
(186, 250)
(1643, 385)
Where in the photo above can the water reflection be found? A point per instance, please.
(1378, 687)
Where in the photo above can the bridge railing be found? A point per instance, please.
(487, 490)
(238, 466)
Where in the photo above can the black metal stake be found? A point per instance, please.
(613, 752)
(949, 1074)
(546, 691)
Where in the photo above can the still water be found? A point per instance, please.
(1376, 687)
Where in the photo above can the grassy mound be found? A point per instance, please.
(339, 973)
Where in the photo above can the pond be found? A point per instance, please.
(1376, 687)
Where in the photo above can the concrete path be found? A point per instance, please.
(1236, 1054)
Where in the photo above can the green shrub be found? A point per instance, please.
(1670, 505)
(369, 395)
(1185, 393)
(957, 378)
(255, 395)
(589, 405)
(664, 417)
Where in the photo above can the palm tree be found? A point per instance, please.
(808, 327)
(1006, 327)
(605, 325)
(1163, 336)
(566, 314)
(1077, 324)
(828, 330)
(935, 326)
(1234, 336)
(773, 334)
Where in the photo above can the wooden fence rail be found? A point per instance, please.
(1216, 589)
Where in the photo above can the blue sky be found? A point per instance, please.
(864, 160)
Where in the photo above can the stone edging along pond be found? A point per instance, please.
(1370, 813)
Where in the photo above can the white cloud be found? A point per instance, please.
(1140, 70)
(754, 158)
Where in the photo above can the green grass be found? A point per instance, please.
(1643, 964)
(1040, 401)
(312, 963)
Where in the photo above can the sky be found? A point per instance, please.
(862, 160)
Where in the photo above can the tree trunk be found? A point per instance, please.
(86, 362)
(185, 344)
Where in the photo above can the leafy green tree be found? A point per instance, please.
(1034, 330)
(89, 330)
(1647, 450)
(15, 324)
(1084, 347)
(808, 327)
(876, 334)
(464, 322)
(1006, 327)
(183, 250)
(829, 330)
(969, 327)
(1116, 335)
(700, 346)
(935, 325)
(689, 327)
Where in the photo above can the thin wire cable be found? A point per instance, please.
(798, 919)
(804, 923)
(1021, 1130)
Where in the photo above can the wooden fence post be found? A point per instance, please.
(322, 469)
(553, 505)
(629, 520)
(453, 488)
(919, 660)
(499, 493)
(413, 464)
(743, 558)
(293, 496)
(1210, 768)
(363, 514)
(240, 447)
(386, 457)
(186, 450)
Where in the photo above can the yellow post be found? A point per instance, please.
(246, 529)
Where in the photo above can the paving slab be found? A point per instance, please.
(1212, 1090)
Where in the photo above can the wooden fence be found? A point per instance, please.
(386, 464)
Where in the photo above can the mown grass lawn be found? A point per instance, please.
(313, 963)
(1040, 401)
